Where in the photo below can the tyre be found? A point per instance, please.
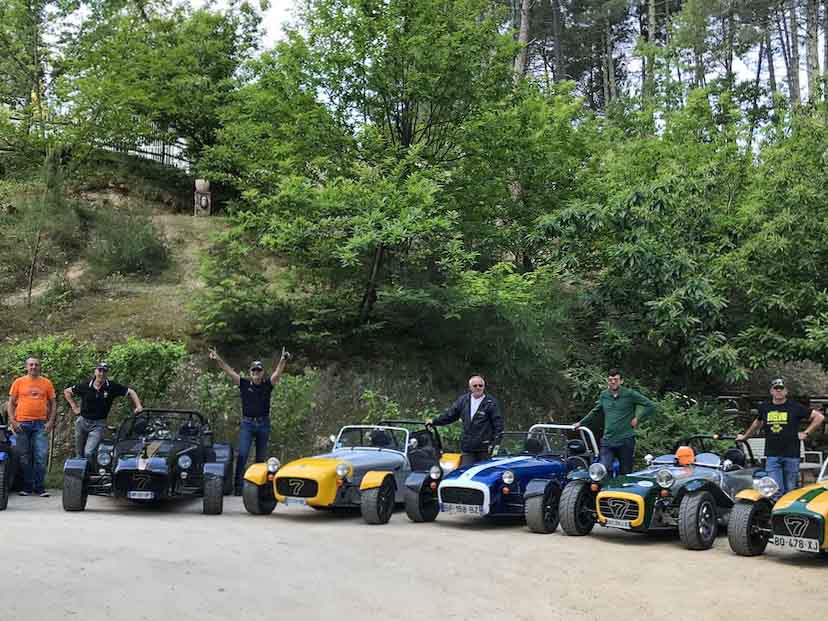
(542, 511)
(749, 527)
(4, 487)
(258, 499)
(697, 521)
(577, 509)
(421, 506)
(377, 504)
(74, 493)
(213, 501)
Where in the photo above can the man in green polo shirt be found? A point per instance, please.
(620, 421)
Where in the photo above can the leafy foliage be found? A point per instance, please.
(127, 242)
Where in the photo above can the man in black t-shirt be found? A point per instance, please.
(96, 398)
(781, 420)
(255, 397)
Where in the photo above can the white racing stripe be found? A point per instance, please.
(472, 472)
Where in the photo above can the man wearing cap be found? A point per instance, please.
(32, 407)
(96, 398)
(255, 398)
(781, 419)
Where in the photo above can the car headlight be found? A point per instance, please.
(447, 466)
(272, 465)
(104, 458)
(184, 462)
(508, 477)
(665, 478)
(342, 470)
(597, 472)
(435, 472)
(766, 486)
(648, 459)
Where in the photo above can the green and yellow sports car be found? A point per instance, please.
(797, 521)
(366, 468)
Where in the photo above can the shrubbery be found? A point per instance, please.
(127, 242)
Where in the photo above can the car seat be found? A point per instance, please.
(381, 438)
(576, 447)
(736, 455)
(188, 429)
(532, 446)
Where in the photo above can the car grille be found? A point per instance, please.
(797, 525)
(140, 482)
(461, 496)
(297, 487)
(618, 508)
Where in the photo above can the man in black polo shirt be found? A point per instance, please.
(96, 398)
(255, 397)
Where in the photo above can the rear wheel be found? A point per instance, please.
(421, 506)
(258, 499)
(74, 493)
(697, 521)
(749, 528)
(377, 504)
(4, 487)
(213, 501)
(577, 509)
(541, 512)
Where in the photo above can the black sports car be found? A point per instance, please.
(155, 455)
(9, 463)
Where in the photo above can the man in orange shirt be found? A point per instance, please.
(32, 409)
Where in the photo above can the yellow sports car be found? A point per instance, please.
(797, 521)
(366, 468)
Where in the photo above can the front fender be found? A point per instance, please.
(698, 485)
(75, 468)
(373, 479)
(416, 480)
(257, 474)
(752, 495)
(538, 487)
(578, 475)
(213, 471)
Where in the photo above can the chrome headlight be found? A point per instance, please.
(648, 458)
(766, 486)
(446, 465)
(508, 477)
(184, 462)
(272, 465)
(597, 472)
(104, 458)
(342, 470)
(435, 472)
(665, 478)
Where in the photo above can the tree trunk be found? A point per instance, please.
(825, 39)
(812, 47)
(755, 106)
(523, 40)
(769, 54)
(605, 62)
(793, 48)
(32, 266)
(613, 88)
(369, 297)
(559, 70)
(649, 82)
(730, 27)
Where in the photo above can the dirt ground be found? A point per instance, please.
(117, 561)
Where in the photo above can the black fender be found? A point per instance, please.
(75, 467)
(214, 470)
(538, 487)
(578, 475)
(417, 480)
(697, 485)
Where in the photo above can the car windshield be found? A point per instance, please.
(537, 442)
(161, 426)
(371, 437)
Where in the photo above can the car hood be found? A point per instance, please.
(491, 469)
(644, 481)
(361, 461)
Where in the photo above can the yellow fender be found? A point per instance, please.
(256, 473)
(751, 495)
(450, 461)
(373, 479)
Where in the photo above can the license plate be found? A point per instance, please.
(796, 543)
(141, 495)
(618, 523)
(450, 507)
(299, 502)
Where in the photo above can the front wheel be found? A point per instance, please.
(697, 521)
(749, 528)
(541, 512)
(213, 501)
(377, 504)
(258, 499)
(577, 509)
(74, 493)
(421, 506)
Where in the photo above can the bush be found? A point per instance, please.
(150, 366)
(127, 242)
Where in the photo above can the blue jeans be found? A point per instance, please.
(785, 471)
(251, 429)
(33, 444)
(623, 450)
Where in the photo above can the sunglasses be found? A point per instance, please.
(256, 370)
(102, 370)
(477, 385)
(778, 388)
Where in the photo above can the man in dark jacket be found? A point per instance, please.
(482, 423)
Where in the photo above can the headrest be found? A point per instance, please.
(532, 446)
(576, 447)
(380, 437)
(685, 456)
(736, 455)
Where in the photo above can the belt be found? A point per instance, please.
(255, 419)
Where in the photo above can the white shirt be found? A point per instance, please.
(475, 403)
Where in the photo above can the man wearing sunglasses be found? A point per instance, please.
(781, 419)
(482, 423)
(255, 398)
(96, 398)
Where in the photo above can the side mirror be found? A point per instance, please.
(727, 464)
(412, 443)
(648, 458)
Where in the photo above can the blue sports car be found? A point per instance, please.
(9, 466)
(524, 478)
